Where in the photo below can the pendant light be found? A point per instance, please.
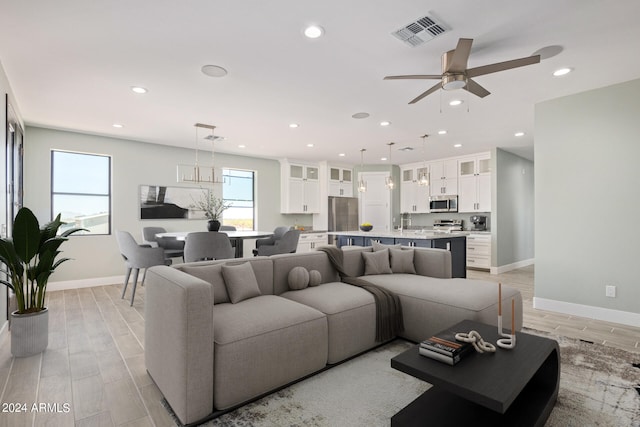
(362, 184)
(196, 173)
(388, 181)
(423, 176)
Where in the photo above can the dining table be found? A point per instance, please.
(236, 237)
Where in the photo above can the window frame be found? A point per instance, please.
(109, 193)
(253, 192)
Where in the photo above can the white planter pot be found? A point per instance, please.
(29, 333)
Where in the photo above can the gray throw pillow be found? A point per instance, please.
(376, 262)
(402, 261)
(315, 278)
(298, 278)
(241, 282)
(380, 247)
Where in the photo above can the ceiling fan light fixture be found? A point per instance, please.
(453, 81)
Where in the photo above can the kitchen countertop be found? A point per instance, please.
(407, 234)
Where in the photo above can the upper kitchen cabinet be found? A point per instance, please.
(474, 182)
(414, 198)
(340, 181)
(300, 188)
(444, 177)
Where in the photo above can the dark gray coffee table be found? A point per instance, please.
(515, 387)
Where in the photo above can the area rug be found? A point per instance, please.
(599, 386)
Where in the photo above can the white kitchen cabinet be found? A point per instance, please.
(479, 250)
(414, 198)
(474, 183)
(300, 188)
(340, 181)
(444, 177)
(311, 241)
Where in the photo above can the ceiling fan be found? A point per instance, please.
(456, 75)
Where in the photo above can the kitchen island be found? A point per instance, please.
(453, 241)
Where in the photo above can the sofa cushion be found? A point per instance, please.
(211, 274)
(263, 343)
(377, 246)
(353, 260)
(430, 304)
(298, 278)
(315, 278)
(351, 316)
(376, 262)
(241, 282)
(402, 261)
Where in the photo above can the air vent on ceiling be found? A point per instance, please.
(421, 30)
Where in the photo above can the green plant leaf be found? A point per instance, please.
(26, 234)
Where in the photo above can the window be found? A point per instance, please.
(81, 191)
(237, 189)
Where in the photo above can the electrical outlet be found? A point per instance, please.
(610, 291)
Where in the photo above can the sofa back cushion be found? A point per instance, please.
(284, 263)
(211, 271)
(353, 261)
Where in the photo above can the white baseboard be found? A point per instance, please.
(509, 267)
(588, 311)
(84, 283)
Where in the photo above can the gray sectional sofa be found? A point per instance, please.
(219, 334)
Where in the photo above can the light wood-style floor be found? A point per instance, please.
(95, 359)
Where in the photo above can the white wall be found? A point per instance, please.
(513, 207)
(133, 163)
(587, 187)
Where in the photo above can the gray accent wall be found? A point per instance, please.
(587, 184)
(133, 163)
(513, 207)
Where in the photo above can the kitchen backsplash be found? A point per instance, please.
(426, 220)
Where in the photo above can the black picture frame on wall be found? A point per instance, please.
(163, 202)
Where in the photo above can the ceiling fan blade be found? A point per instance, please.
(426, 93)
(415, 76)
(460, 56)
(501, 66)
(476, 89)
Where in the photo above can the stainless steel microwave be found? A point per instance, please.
(443, 203)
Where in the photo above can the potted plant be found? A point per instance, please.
(29, 259)
(213, 207)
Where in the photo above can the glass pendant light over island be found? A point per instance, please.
(362, 184)
(388, 181)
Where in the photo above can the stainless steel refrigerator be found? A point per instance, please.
(343, 215)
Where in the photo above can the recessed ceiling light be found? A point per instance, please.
(442, 132)
(456, 102)
(139, 89)
(214, 71)
(293, 125)
(561, 72)
(342, 154)
(385, 123)
(457, 145)
(242, 146)
(309, 145)
(313, 31)
(361, 115)
(519, 134)
(117, 125)
(383, 159)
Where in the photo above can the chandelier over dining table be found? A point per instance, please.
(196, 172)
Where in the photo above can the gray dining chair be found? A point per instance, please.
(207, 245)
(136, 257)
(227, 228)
(173, 248)
(278, 232)
(287, 244)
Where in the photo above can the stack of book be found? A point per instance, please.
(445, 348)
